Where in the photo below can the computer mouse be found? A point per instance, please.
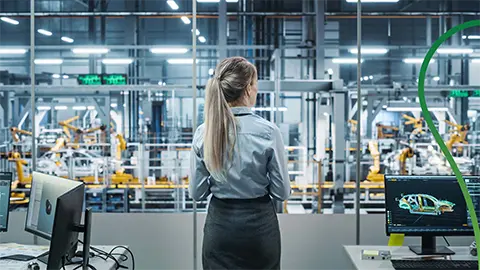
(48, 207)
(33, 266)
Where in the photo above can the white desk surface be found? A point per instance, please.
(97, 262)
(355, 254)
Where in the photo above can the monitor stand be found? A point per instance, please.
(429, 247)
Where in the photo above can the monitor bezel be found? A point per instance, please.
(9, 197)
(409, 233)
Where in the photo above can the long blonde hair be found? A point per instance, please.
(231, 79)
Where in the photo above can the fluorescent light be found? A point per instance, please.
(202, 39)
(370, 77)
(172, 4)
(369, 51)
(13, 51)
(197, 31)
(56, 76)
(216, 1)
(455, 51)
(181, 61)
(185, 20)
(79, 108)
(384, 107)
(114, 105)
(91, 108)
(44, 32)
(330, 71)
(67, 39)
(471, 37)
(117, 61)
(66, 76)
(269, 109)
(476, 60)
(415, 109)
(436, 78)
(61, 108)
(345, 60)
(416, 60)
(365, 78)
(48, 61)
(90, 50)
(9, 20)
(44, 108)
(169, 50)
(373, 1)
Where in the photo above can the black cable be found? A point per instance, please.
(117, 264)
(446, 241)
(129, 251)
(63, 263)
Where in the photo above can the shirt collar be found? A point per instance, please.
(241, 110)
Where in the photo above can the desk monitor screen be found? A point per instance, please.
(429, 206)
(45, 191)
(5, 188)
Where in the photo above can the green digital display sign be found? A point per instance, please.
(464, 93)
(102, 79)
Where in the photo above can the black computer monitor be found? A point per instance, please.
(54, 213)
(5, 189)
(429, 206)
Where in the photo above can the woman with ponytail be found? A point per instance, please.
(239, 159)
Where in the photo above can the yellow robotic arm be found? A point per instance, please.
(67, 126)
(15, 131)
(416, 122)
(404, 155)
(19, 163)
(353, 125)
(373, 174)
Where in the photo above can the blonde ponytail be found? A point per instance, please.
(231, 79)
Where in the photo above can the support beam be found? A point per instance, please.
(370, 118)
(339, 148)
(222, 29)
(320, 39)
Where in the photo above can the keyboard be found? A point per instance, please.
(434, 264)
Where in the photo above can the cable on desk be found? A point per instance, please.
(117, 266)
(446, 241)
(129, 251)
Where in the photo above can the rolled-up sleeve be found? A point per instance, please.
(199, 187)
(277, 168)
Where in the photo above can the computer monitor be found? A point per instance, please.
(429, 206)
(5, 189)
(54, 213)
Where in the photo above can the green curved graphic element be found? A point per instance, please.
(431, 126)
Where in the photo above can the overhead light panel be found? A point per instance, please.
(44, 32)
(196, 31)
(216, 1)
(180, 61)
(202, 39)
(172, 4)
(369, 51)
(416, 60)
(44, 108)
(90, 50)
(90, 108)
(9, 20)
(67, 39)
(269, 109)
(65, 76)
(476, 60)
(436, 78)
(56, 76)
(415, 109)
(117, 61)
(185, 20)
(455, 51)
(61, 108)
(114, 105)
(345, 60)
(79, 108)
(48, 61)
(169, 50)
(471, 37)
(13, 51)
(373, 1)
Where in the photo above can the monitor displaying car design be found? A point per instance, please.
(424, 204)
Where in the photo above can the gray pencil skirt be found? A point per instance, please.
(241, 234)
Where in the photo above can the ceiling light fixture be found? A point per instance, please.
(202, 39)
(44, 108)
(471, 37)
(216, 1)
(90, 108)
(211, 71)
(436, 78)
(185, 20)
(476, 60)
(197, 31)
(455, 51)
(168, 50)
(416, 60)
(180, 61)
(44, 32)
(172, 4)
(345, 60)
(48, 61)
(56, 76)
(79, 108)
(61, 108)
(373, 1)
(67, 39)
(369, 51)
(13, 51)
(9, 20)
(117, 61)
(90, 50)
(66, 76)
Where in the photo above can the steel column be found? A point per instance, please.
(32, 80)
(222, 29)
(339, 148)
(320, 39)
(194, 120)
(359, 120)
(370, 117)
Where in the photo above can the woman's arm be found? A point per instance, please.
(199, 187)
(277, 168)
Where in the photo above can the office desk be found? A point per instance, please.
(96, 262)
(355, 254)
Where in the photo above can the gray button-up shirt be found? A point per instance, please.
(259, 164)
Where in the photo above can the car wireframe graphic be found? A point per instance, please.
(424, 204)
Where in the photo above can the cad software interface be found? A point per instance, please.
(5, 182)
(41, 210)
(419, 204)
